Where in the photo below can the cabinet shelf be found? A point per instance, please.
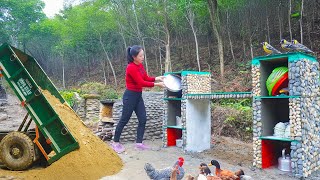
(173, 99)
(174, 127)
(275, 97)
(276, 138)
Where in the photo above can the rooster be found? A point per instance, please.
(166, 173)
(226, 174)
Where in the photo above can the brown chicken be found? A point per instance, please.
(226, 174)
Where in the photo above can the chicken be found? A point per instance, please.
(174, 172)
(213, 178)
(189, 177)
(269, 49)
(166, 173)
(204, 169)
(205, 173)
(226, 174)
(246, 177)
(201, 177)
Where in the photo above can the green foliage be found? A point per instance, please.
(231, 4)
(18, 15)
(238, 118)
(238, 104)
(295, 15)
(105, 92)
(68, 95)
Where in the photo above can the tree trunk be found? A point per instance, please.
(63, 73)
(145, 57)
(309, 37)
(88, 67)
(214, 17)
(160, 56)
(168, 67)
(110, 63)
(197, 48)
(244, 49)
(190, 18)
(168, 61)
(104, 72)
(122, 36)
(140, 36)
(313, 14)
(209, 49)
(289, 20)
(155, 54)
(251, 50)
(229, 37)
(301, 15)
(268, 28)
(280, 21)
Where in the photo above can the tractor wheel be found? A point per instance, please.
(17, 151)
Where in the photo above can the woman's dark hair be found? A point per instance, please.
(133, 51)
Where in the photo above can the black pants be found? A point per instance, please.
(132, 101)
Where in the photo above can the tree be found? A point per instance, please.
(17, 16)
(214, 18)
(289, 19)
(301, 15)
(190, 7)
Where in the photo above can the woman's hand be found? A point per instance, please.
(160, 78)
(160, 84)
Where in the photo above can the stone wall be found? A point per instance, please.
(89, 111)
(154, 108)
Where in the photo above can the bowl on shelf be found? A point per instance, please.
(281, 84)
(178, 121)
(179, 143)
(277, 80)
(172, 82)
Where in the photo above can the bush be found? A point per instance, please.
(105, 92)
(233, 118)
(68, 95)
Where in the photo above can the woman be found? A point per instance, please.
(136, 79)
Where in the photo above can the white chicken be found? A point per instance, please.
(166, 173)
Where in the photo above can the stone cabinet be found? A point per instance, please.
(298, 108)
(187, 121)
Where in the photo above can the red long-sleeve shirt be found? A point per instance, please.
(137, 78)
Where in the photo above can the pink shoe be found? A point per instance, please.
(117, 147)
(141, 146)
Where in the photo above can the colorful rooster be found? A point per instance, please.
(166, 173)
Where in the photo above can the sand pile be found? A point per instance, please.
(93, 160)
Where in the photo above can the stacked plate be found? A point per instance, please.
(172, 82)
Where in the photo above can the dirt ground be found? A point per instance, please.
(15, 114)
(231, 154)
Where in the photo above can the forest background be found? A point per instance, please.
(83, 47)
